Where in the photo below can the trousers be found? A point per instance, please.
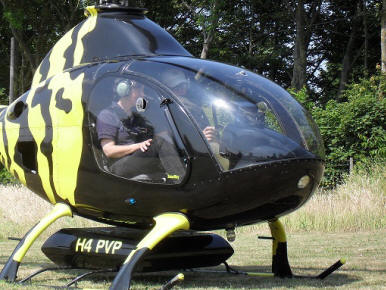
(160, 159)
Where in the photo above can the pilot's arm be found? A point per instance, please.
(108, 125)
(111, 150)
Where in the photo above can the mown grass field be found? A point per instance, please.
(309, 254)
(348, 222)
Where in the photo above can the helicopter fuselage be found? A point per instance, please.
(266, 159)
(48, 144)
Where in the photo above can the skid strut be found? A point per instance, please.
(9, 272)
(165, 224)
(280, 265)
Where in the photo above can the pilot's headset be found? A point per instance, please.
(124, 87)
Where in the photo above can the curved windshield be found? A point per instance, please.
(131, 135)
(244, 118)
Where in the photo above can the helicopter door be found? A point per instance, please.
(130, 132)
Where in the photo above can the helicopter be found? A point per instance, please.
(234, 149)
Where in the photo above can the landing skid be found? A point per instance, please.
(165, 224)
(73, 284)
(178, 278)
(233, 271)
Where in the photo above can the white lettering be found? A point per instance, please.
(117, 246)
(100, 245)
(80, 244)
(108, 246)
(88, 245)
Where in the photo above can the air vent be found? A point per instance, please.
(16, 110)
(27, 155)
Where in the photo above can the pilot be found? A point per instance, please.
(127, 138)
(176, 80)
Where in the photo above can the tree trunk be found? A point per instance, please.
(23, 46)
(22, 75)
(11, 96)
(209, 31)
(205, 47)
(349, 53)
(300, 54)
(383, 37)
(25, 50)
(365, 27)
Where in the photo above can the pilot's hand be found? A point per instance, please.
(210, 133)
(143, 146)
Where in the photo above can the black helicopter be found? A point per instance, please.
(123, 126)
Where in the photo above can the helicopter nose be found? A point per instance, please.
(268, 189)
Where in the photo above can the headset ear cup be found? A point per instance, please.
(124, 88)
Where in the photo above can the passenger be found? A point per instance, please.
(176, 80)
(127, 138)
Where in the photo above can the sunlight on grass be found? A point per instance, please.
(20, 209)
(358, 204)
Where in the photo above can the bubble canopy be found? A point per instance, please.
(249, 118)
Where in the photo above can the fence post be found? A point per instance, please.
(351, 164)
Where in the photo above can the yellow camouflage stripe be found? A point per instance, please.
(37, 127)
(67, 138)
(12, 135)
(57, 59)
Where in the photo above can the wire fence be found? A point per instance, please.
(346, 166)
(336, 171)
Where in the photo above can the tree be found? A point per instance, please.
(383, 37)
(341, 45)
(206, 15)
(323, 44)
(354, 128)
(349, 55)
(5, 37)
(36, 26)
(304, 27)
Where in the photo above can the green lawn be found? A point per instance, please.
(309, 254)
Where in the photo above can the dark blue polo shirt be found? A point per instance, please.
(124, 128)
(114, 123)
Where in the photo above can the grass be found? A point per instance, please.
(357, 205)
(309, 254)
(20, 209)
(346, 222)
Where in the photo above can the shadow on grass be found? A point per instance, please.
(207, 280)
(225, 280)
(343, 277)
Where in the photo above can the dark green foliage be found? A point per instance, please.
(7, 178)
(354, 127)
(3, 97)
(36, 25)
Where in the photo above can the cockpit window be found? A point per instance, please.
(131, 135)
(244, 118)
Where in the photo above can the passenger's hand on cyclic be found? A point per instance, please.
(143, 146)
(210, 133)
